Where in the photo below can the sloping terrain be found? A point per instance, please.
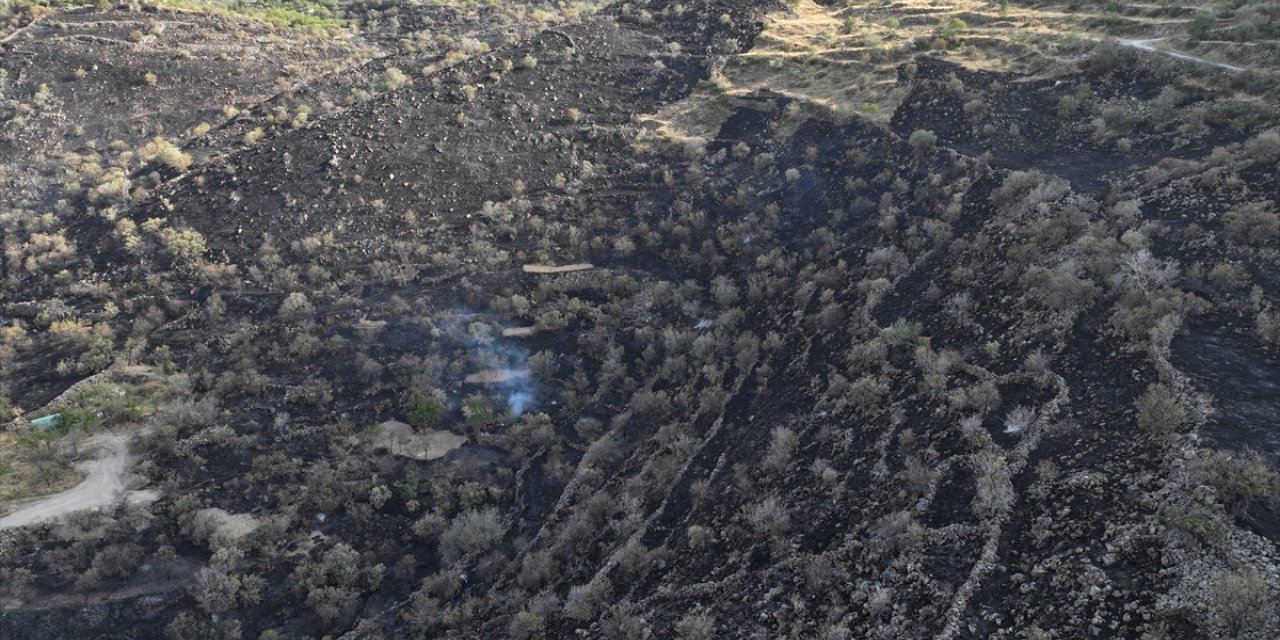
(753, 319)
(105, 478)
(86, 86)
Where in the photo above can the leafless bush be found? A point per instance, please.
(696, 626)
(781, 449)
(768, 517)
(1240, 602)
(1159, 410)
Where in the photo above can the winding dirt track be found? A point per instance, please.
(1149, 45)
(104, 482)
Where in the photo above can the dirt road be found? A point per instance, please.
(104, 481)
(1149, 45)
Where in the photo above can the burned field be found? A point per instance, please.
(629, 320)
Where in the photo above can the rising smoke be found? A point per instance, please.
(517, 385)
(501, 363)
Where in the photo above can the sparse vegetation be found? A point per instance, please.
(393, 78)
(1238, 480)
(669, 320)
(1160, 410)
(922, 140)
(166, 153)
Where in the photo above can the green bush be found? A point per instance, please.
(950, 29)
(101, 405)
(1254, 224)
(1069, 106)
(1200, 25)
(477, 410)
(1237, 480)
(1159, 410)
(922, 140)
(424, 411)
(1196, 520)
(526, 625)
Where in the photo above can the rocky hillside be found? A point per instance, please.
(715, 319)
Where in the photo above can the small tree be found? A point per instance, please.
(1160, 410)
(1238, 479)
(1254, 224)
(781, 448)
(186, 246)
(424, 410)
(696, 626)
(922, 141)
(950, 29)
(471, 533)
(1241, 602)
(295, 306)
(1200, 25)
(769, 517)
(378, 496)
(526, 625)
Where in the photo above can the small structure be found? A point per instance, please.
(519, 332)
(542, 268)
(51, 421)
(497, 376)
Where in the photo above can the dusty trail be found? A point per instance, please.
(1149, 45)
(105, 480)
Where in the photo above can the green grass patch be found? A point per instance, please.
(294, 14)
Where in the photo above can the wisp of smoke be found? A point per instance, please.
(517, 389)
(518, 402)
(490, 351)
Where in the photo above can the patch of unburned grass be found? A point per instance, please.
(32, 464)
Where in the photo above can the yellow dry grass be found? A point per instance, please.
(846, 58)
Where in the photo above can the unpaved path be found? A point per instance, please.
(1149, 45)
(105, 479)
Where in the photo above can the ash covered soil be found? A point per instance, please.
(993, 365)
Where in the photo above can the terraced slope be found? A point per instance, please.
(874, 320)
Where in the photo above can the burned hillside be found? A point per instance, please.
(729, 318)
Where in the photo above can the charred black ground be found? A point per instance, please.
(876, 320)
